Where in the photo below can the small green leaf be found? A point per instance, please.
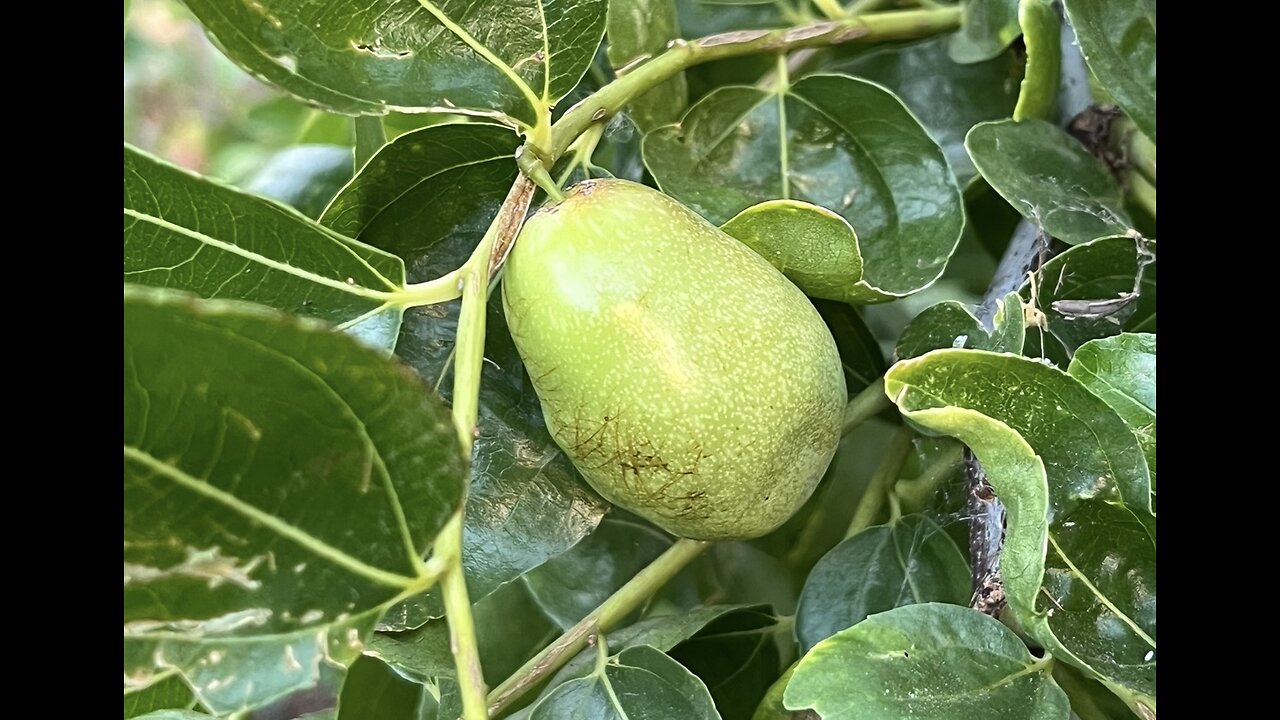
(947, 97)
(495, 57)
(639, 683)
(814, 247)
(931, 661)
(572, 584)
(304, 177)
(282, 483)
(951, 324)
(164, 692)
(1050, 178)
(987, 28)
(190, 233)
(1075, 485)
(905, 562)
(1097, 275)
(830, 140)
(860, 353)
(1122, 371)
(443, 181)
(1119, 44)
(642, 28)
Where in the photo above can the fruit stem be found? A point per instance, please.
(462, 629)
(683, 54)
(865, 405)
(881, 482)
(622, 603)
(1140, 191)
(535, 170)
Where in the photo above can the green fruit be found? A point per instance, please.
(687, 379)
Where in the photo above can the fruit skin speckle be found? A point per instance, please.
(685, 377)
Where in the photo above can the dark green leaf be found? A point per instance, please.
(639, 29)
(488, 56)
(987, 28)
(639, 683)
(951, 324)
(662, 632)
(189, 233)
(736, 657)
(947, 97)
(572, 584)
(1098, 274)
(830, 140)
(860, 353)
(1050, 178)
(440, 183)
(304, 177)
(1074, 480)
(932, 661)
(814, 247)
(373, 690)
(905, 562)
(166, 691)
(1119, 43)
(282, 484)
(1122, 371)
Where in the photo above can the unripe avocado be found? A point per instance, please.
(686, 378)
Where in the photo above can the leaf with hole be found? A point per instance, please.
(190, 233)
(282, 484)
(502, 58)
(931, 661)
(830, 140)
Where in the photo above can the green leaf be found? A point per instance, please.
(165, 691)
(304, 177)
(951, 324)
(175, 715)
(282, 484)
(495, 57)
(569, 586)
(1050, 178)
(190, 233)
(736, 657)
(860, 353)
(1122, 371)
(373, 690)
(947, 97)
(908, 561)
(830, 140)
(443, 181)
(642, 28)
(1074, 482)
(1119, 44)
(639, 683)
(814, 247)
(1098, 274)
(931, 661)
(987, 28)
